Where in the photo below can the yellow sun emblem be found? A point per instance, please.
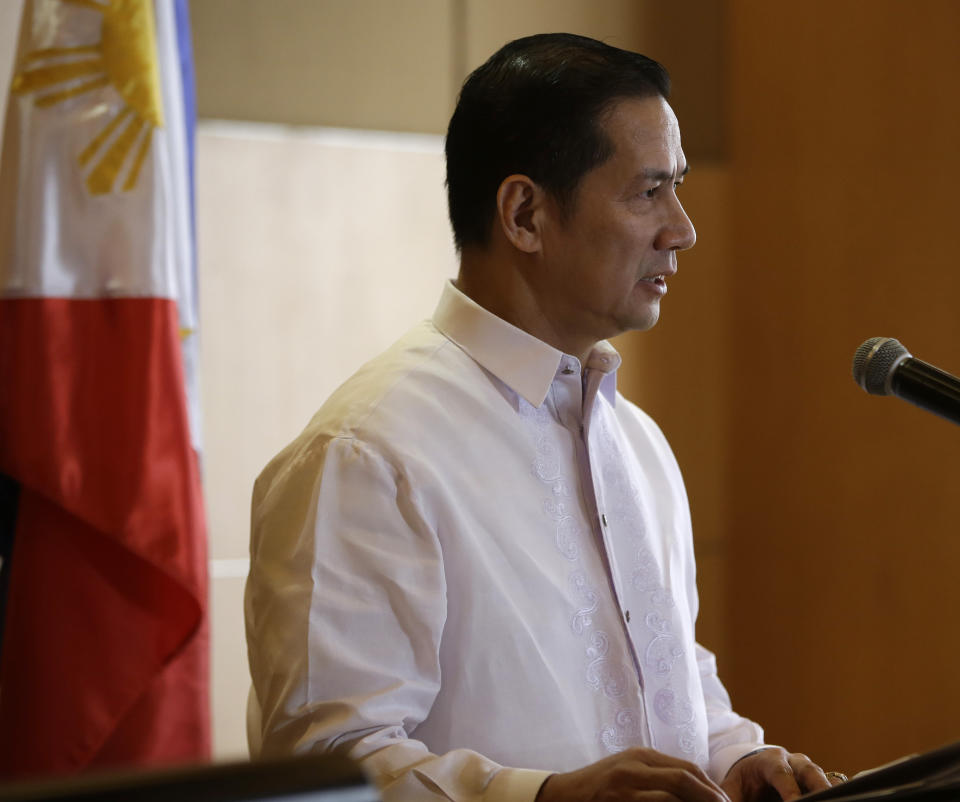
(126, 58)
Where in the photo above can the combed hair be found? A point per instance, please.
(535, 108)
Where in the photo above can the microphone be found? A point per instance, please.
(882, 366)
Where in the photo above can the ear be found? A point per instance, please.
(519, 207)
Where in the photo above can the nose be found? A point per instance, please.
(678, 232)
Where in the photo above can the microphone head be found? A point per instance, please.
(875, 362)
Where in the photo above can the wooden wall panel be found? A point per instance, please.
(844, 120)
(344, 63)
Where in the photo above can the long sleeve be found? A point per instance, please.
(443, 588)
(730, 735)
(346, 606)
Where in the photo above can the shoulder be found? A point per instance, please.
(387, 409)
(640, 427)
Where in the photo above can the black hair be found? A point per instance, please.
(535, 108)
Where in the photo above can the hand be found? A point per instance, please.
(773, 774)
(635, 775)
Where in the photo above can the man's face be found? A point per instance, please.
(608, 262)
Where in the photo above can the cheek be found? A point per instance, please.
(626, 238)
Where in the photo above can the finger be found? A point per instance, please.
(654, 758)
(781, 777)
(808, 774)
(636, 778)
(685, 785)
(651, 757)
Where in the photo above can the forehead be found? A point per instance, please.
(645, 129)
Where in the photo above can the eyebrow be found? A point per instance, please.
(661, 175)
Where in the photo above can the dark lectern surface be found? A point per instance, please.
(310, 778)
(930, 777)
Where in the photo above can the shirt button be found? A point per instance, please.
(603, 518)
(627, 616)
(567, 371)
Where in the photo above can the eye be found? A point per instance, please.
(650, 193)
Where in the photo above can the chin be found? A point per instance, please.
(642, 320)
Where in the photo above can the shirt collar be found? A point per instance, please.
(518, 359)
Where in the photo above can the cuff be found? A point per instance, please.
(515, 785)
(723, 759)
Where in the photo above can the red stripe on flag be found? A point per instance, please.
(104, 660)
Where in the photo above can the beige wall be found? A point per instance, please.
(317, 249)
(345, 63)
(398, 64)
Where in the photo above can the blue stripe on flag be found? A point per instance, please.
(187, 80)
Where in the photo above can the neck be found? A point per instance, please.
(503, 287)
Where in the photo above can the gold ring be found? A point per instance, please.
(838, 775)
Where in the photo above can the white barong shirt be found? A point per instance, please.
(475, 567)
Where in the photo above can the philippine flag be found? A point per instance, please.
(104, 657)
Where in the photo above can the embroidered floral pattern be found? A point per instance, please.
(583, 618)
(603, 674)
(626, 731)
(663, 654)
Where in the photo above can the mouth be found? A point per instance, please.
(657, 282)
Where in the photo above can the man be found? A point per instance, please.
(473, 572)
